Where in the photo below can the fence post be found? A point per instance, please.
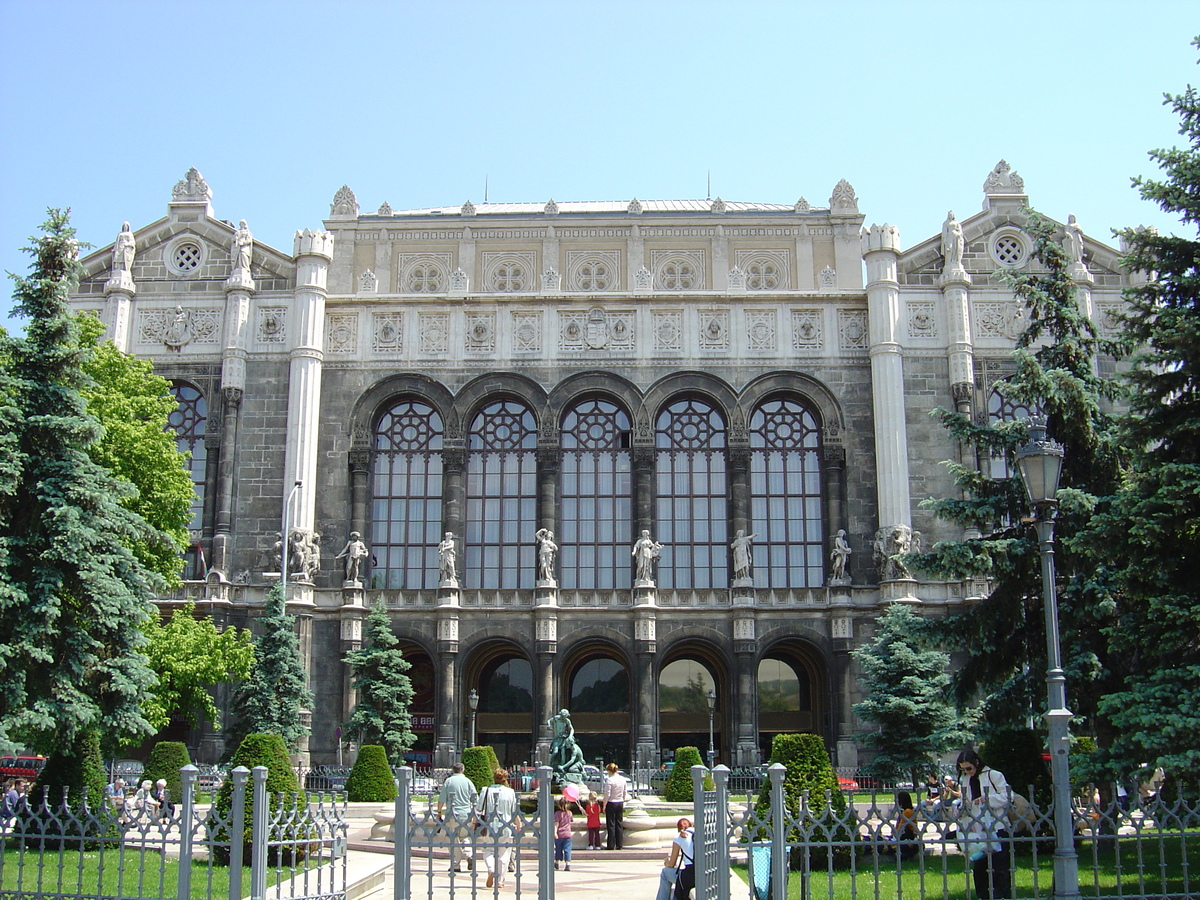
(237, 830)
(700, 815)
(402, 836)
(187, 803)
(545, 834)
(721, 811)
(259, 835)
(779, 838)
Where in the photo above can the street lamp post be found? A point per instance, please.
(473, 703)
(712, 708)
(1040, 463)
(285, 544)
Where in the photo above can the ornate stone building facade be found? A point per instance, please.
(501, 400)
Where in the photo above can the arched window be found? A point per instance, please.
(189, 422)
(407, 497)
(597, 497)
(501, 497)
(691, 522)
(785, 496)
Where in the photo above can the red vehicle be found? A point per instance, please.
(27, 767)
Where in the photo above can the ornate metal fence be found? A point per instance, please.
(139, 850)
(835, 847)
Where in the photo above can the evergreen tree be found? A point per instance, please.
(1003, 636)
(385, 692)
(906, 696)
(270, 700)
(1149, 531)
(73, 597)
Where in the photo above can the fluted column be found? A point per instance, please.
(313, 252)
(881, 252)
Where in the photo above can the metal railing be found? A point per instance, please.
(134, 849)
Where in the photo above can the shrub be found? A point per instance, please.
(371, 779)
(255, 750)
(479, 763)
(808, 769)
(679, 783)
(165, 761)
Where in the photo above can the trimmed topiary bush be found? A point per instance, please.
(478, 764)
(679, 783)
(808, 769)
(255, 750)
(371, 779)
(165, 761)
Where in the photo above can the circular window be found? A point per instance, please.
(1010, 249)
(186, 256)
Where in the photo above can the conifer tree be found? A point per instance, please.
(1149, 532)
(1003, 635)
(385, 692)
(73, 597)
(270, 700)
(905, 685)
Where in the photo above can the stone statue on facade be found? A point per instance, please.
(354, 553)
(645, 551)
(839, 556)
(743, 559)
(124, 249)
(566, 757)
(952, 243)
(243, 248)
(448, 561)
(546, 552)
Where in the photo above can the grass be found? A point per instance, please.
(1106, 868)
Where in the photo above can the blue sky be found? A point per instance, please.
(104, 106)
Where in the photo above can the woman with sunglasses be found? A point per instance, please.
(985, 800)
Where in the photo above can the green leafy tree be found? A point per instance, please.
(1148, 533)
(371, 779)
(73, 596)
(1003, 635)
(906, 689)
(190, 655)
(385, 692)
(270, 700)
(133, 405)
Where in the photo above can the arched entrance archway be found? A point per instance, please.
(791, 690)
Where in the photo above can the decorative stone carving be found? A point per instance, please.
(367, 282)
(827, 278)
(802, 206)
(459, 282)
(344, 203)
(635, 207)
(385, 209)
(737, 280)
(468, 209)
(717, 206)
(1002, 180)
(192, 187)
(643, 280)
(843, 201)
(551, 208)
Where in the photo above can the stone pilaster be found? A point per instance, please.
(881, 252)
(306, 326)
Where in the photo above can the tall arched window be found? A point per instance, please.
(189, 422)
(407, 497)
(785, 496)
(501, 497)
(692, 522)
(597, 497)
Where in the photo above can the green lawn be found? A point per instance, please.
(1102, 867)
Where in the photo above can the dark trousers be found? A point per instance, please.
(992, 872)
(614, 815)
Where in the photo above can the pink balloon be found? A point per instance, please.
(571, 791)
